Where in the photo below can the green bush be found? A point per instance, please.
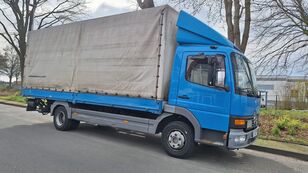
(282, 122)
(291, 125)
(294, 126)
(276, 131)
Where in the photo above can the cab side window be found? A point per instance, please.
(206, 70)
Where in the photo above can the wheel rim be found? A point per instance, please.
(176, 139)
(60, 118)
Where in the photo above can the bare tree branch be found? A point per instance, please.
(281, 34)
(247, 22)
(236, 26)
(8, 19)
(228, 9)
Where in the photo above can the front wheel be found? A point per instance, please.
(61, 120)
(178, 139)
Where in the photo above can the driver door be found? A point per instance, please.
(204, 88)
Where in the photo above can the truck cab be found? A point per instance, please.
(213, 80)
(218, 86)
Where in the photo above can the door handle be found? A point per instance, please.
(183, 97)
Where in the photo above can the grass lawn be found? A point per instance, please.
(15, 97)
(284, 125)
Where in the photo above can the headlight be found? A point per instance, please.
(240, 139)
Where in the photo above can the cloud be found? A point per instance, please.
(106, 9)
(100, 8)
(3, 43)
(4, 78)
(94, 4)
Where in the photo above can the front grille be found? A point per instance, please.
(253, 123)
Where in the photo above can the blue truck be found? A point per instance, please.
(155, 71)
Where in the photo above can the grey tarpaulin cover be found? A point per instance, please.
(127, 54)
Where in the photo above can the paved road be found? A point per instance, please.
(29, 144)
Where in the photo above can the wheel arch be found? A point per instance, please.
(66, 105)
(173, 113)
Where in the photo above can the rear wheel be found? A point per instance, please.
(61, 120)
(178, 139)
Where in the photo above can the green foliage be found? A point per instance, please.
(294, 126)
(276, 131)
(2, 86)
(296, 114)
(282, 122)
(286, 123)
(14, 97)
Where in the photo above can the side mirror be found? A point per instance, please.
(259, 95)
(216, 76)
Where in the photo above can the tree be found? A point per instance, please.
(234, 11)
(2, 62)
(18, 17)
(281, 28)
(17, 72)
(9, 64)
(145, 3)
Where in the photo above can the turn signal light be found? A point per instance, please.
(239, 122)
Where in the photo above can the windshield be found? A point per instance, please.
(244, 75)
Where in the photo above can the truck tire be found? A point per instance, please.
(61, 120)
(178, 139)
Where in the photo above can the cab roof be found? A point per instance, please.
(193, 31)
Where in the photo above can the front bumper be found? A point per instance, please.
(238, 138)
